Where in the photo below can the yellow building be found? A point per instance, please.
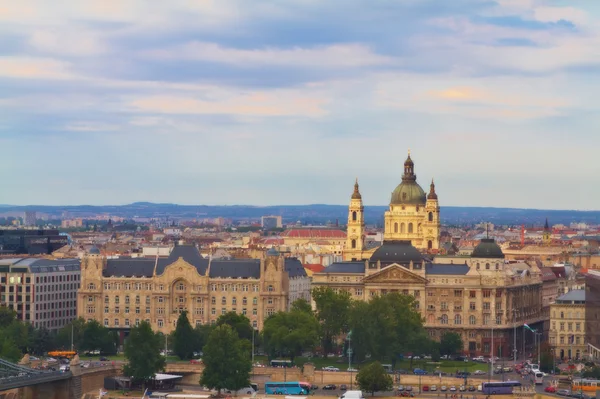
(412, 216)
(567, 325)
(119, 293)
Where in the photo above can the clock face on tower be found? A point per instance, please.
(354, 230)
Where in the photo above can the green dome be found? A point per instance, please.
(408, 193)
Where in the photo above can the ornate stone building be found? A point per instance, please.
(567, 325)
(470, 295)
(119, 293)
(412, 216)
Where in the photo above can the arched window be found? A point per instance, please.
(497, 266)
(402, 228)
(444, 319)
(137, 299)
(354, 216)
(353, 244)
(457, 319)
(472, 320)
(244, 301)
(478, 266)
(270, 288)
(91, 286)
(255, 301)
(487, 266)
(181, 287)
(430, 216)
(430, 245)
(395, 227)
(234, 301)
(410, 227)
(562, 315)
(223, 300)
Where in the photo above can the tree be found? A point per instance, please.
(7, 315)
(142, 351)
(302, 305)
(184, 345)
(332, 312)
(239, 322)
(201, 334)
(373, 378)
(8, 349)
(96, 337)
(42, 341)
(63, 338)
(21, 334)
(227, 364)
(451, 344)
(290, 333)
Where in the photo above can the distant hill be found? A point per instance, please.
(313, 214)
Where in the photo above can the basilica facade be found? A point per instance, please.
(482, 297)
(412, 216)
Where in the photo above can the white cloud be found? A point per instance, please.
(331, 56)
(65, 42)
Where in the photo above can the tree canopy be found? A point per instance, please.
(373, 378)
(142, 351)
(451, 343)
(302, 305)
(97, 337)
(239, 322)
(290, 333)
(227, 363)
(332, 311)
(184, 337)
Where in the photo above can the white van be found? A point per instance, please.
(352, 395)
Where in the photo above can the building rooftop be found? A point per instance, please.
(572, 296)
(446, 269)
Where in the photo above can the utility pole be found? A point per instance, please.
(349, 337)
(514, 338)
(71, 336)
(252, 346)
(539, 340)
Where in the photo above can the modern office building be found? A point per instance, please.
(271, 222)
(43, 292)
(31, 242)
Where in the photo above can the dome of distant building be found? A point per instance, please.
(272, 252)
(94, 250)
(487, 248)
(401, 252)
(408, 192)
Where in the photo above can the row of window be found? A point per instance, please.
(568, 340)
(444, 319)
(180, 299)
(576, 315)
(179, 287)
(568, 325)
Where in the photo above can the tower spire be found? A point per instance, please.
(356, 193)
(432, 194)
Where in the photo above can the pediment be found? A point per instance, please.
(180, 268)
(395, 274)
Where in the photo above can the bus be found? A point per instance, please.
(538, 378)
(585, 385)
(287, 388)
(499, 388)
(67, 354)
(281, 363)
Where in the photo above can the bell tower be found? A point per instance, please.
(431, 225)
(355, 237)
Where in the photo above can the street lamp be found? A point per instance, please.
(349, 338)
(253, 345)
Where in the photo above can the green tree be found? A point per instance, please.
(97, 337)
(63, 337)
(373, 378)
(290, 333)
(142, 351)
(201, 334)
(8, 349)
(332, 311)
(302, 305)
(42, 341)
(21, 334)
(451, 344)
(7, 316)
(239, 322)
(184, 337)
(227, 364)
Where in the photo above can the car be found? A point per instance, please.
(550, 389)
(330, 387)
(408, 388)
(433, 388)
(195, 361)
(462, 388)
(330, 368)
(418, 371)
(352, 369)
(33, 358)
(103, 359)
(563, 392)
(580, 395)
(343, 387)
(480, 359)
(443, 388)
(508, 369)
(452, 388)
(407, 394)
(472, 388)
(416, 357)
(425, 388)
(462, 374)
(479, 372)
(314, 387)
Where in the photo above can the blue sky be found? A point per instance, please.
(287, 101)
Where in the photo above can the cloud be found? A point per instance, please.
(34, 68)
(333, 56)
(82, 44)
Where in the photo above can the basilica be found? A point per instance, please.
(470, 295)
(412, 216)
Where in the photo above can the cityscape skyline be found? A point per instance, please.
(288, 102)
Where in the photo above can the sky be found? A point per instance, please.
(288, 101)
